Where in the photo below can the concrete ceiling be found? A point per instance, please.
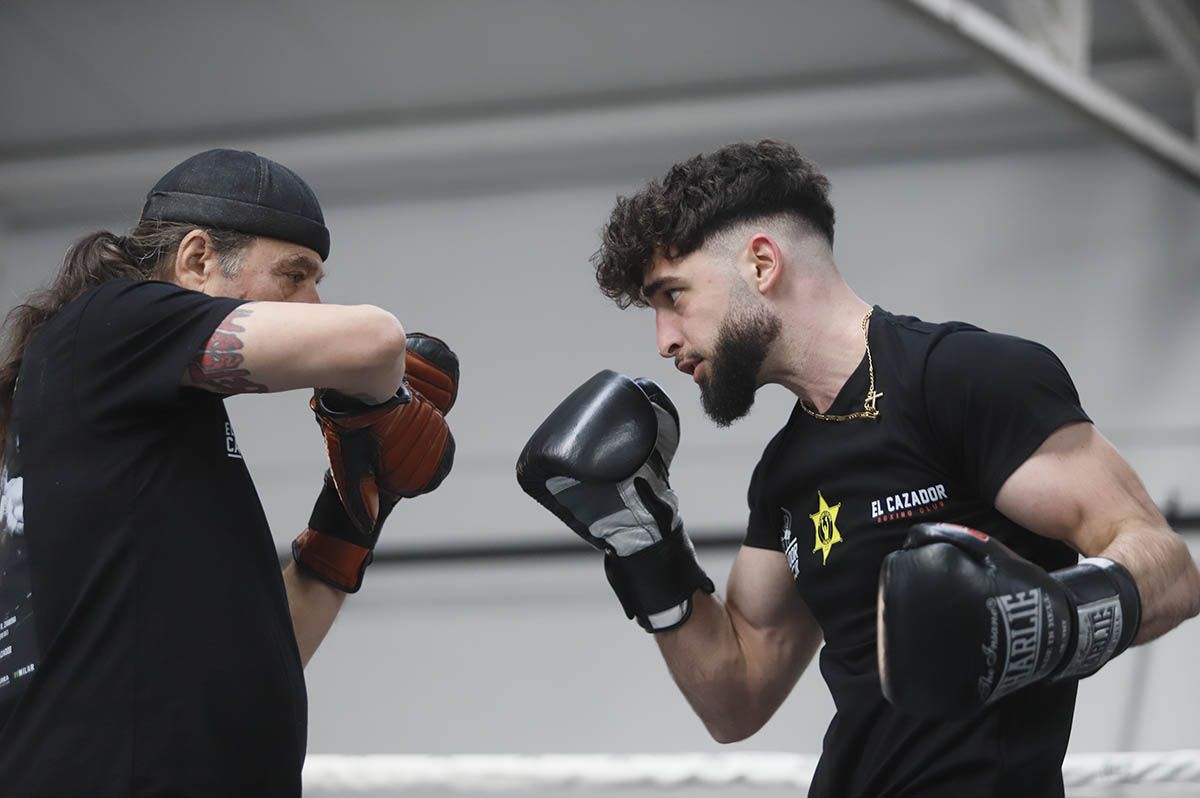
(99, 98)
(79, 75)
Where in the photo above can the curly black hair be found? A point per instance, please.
(701, 197)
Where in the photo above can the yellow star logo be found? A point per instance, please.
(825, 521)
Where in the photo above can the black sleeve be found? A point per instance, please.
(762, 530)
(134, 342)
(993, 400)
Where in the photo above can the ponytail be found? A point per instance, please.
(146, 253)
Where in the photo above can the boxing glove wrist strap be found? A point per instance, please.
(655, 585)
(338, 563)
(336, 405)
(1108, 612)
(332, 549)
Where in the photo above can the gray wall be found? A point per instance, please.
(1090, 251)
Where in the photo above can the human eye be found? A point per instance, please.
(673, 294)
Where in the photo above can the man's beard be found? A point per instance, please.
(746, 333)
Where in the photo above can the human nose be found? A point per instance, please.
(670, 338)
(310, 295)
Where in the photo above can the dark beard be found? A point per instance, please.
(728, 389)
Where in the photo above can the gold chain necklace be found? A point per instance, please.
(869, 410)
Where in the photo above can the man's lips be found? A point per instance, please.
(691, 366)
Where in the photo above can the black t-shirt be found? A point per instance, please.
(960, 410)
(151, 650)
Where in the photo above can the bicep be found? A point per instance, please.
(1078, 489)
(279, 346)
(777, 630)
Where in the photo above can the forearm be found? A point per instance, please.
(1165, 573)
(280, 346)
(313, 605)
(708, 661)
(1078, 489)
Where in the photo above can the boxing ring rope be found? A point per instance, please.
(342, 774)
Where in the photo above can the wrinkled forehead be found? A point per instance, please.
(275, 253)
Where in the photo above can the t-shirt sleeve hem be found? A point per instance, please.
(1017, 455)
(756, 543)
(195, 338)
(133, 345)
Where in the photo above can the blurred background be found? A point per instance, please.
(466, 154)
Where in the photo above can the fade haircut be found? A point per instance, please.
(703, 197)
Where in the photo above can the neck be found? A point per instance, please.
(822, 345)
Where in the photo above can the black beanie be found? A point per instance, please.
(243, 192)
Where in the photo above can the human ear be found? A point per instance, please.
(766, 260)
(194, 261)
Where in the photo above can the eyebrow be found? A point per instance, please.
(651, 289)
(302, 262)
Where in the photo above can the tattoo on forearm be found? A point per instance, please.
(219, 364)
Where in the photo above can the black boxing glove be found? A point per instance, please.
(599, 462)
(963, 620)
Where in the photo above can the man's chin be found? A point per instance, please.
(723, 411)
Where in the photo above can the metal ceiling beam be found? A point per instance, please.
(1064, 27)
(1035, 66)
(1178, 31)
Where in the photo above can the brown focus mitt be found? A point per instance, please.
(378, 454)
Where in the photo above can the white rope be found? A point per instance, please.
(347, 774)
(1132, 767)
